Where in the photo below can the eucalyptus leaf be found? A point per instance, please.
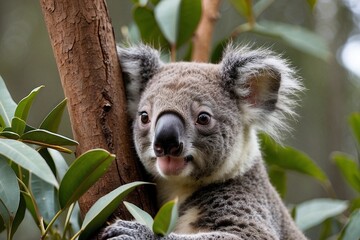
(165, 219)
(53, 119)
(312, 3)
(22, 109)
(219, 48)
(18, 125)
(7, 104)
(49, 160)
(2, 123)
(140, 215)
(31, 207)
(45, 197)
(5, 215)
(313, 212)
(27, 158)
(278, 179)
(167, 17)
(2, 224)
(148, 27)
(10, 135)
(295, 36)
(19, 217)
(348, 168)
(352, 229)
(242, 7)
(75, 219)
(103, 208)
(45, 138)
(290, 159)
(189, 18)
(82, 174)
(354, 121)
(260, 6)
(9, 192)
(60, 163)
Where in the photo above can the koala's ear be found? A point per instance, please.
(138, 64)
(263, 84)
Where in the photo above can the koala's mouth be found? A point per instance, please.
(172, 166)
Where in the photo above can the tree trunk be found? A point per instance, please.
(84, 47)
(204, 31)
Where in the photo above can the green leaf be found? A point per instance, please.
(354, 121)
(278, 179)
(312, 3)
(167, 17)
(352, 229)
(218, 50)
(354, 204)
(7, 104)
(2, 225)
(290, 159)
(18, 125)
(261, 6)
(31, 207)
(9, 192)
(45, 197)
(45, 138)
(348, 168)
(297, 37)
(313, 212)
(53, 119)
(140, 215)
(27, 158)
(19, 217)
(242, 7)
(75, 219)
(165, 219)
(2, 123)
(10, 135)
(60, 163)
(104, 207)
(82, 174)
(189, 18)
(22, 109)
(148, 27)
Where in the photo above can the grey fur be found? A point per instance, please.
(224, 191)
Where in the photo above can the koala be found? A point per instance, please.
(195, 130)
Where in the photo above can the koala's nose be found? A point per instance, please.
(168, 133)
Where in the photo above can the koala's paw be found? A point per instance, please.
(127, 230)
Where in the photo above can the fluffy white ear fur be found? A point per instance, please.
(266, 86)
(138, 63)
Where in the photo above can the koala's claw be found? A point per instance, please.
(122, 230)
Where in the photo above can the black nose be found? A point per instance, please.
(168, 133)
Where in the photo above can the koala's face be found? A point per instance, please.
(186, 122)
(195, 121)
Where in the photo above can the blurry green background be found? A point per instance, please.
(333, 88)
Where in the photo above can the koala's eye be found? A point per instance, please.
(144, 117)
(203, 118)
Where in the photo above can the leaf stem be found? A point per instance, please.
(37, 212)
(43, 235)
(67, 219)
(77, 234)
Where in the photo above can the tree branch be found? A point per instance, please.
(203, 34)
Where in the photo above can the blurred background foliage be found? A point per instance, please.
(332, 78)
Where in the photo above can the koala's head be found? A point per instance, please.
(198, 121)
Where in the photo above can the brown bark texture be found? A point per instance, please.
(204, 31)
(83, 42)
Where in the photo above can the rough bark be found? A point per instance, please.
(84, 47)
(204, 31)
